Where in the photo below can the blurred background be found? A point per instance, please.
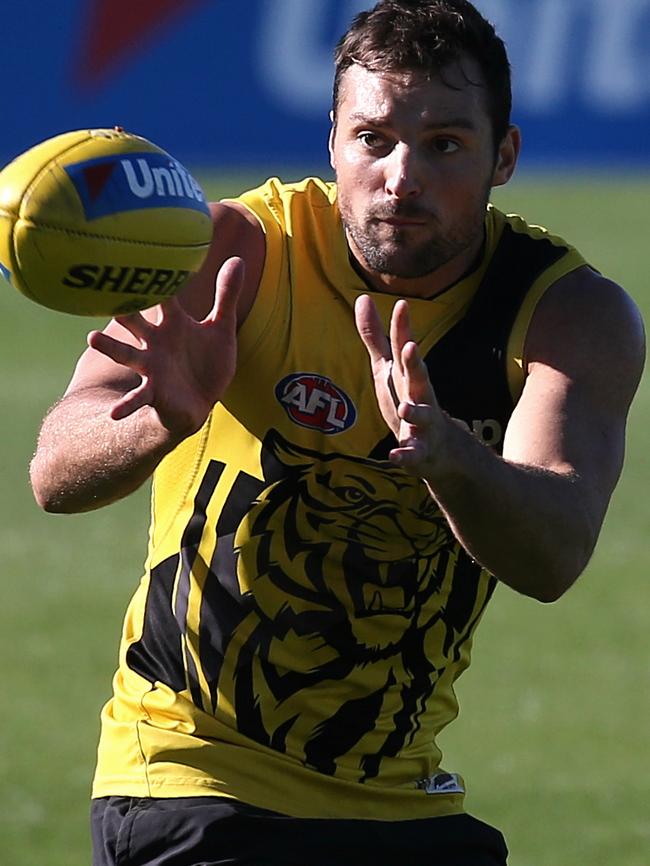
(552, 736)
(246, 83)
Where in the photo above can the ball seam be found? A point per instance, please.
(114, 238)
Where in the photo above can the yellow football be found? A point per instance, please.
(100, 222)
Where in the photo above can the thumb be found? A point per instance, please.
(229, 282)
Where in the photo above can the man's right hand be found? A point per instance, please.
(184, 365)
(149, 380)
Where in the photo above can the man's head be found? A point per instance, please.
(420, 135)
(427, 37)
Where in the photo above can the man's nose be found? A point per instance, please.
(402, 176)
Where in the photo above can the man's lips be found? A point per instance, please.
(403, 216)
(403, 221)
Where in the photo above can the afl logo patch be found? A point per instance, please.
(316, 402)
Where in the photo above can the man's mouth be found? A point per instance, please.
(402, 215)
(403, 222)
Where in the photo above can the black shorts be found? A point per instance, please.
(215, 831)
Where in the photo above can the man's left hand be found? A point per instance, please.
(404, 392)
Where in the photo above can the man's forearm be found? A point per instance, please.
(532, 528)
(85, 459)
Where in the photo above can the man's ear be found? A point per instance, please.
(330, 143)
(507, 156)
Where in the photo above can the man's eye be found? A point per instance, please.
(371, 139)
(445, 145)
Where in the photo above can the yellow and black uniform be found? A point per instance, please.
(305, 609)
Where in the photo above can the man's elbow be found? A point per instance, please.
(553, 589)
(46, 493)
(559, 575)
(51, 492)
(549, 586)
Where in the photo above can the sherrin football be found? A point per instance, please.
(100, 222)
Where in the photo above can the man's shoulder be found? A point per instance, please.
(519, 226)
(587, 296)
(589, 325)
(285, 201)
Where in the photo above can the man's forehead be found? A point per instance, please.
(367, 92)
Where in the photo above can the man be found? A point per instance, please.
(326, 532)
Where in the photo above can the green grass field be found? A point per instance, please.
(553, 732)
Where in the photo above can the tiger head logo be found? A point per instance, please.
(336, 604)
(350, 611)
(343, 548)
(344, 565)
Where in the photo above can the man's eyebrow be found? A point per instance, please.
(441, 123)
(452, 122)
(367, 118)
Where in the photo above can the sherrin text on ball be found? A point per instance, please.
(100, 222)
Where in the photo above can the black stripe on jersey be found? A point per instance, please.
(158, 655)
(222, 606)
(189, 551)
(192, 537)
(339, 733)
(468, 365)
(461, 602)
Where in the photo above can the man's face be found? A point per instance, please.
(415, 162)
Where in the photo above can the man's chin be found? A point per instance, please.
(400, 267)
(397, 257)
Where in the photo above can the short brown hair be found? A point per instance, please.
(426, 36)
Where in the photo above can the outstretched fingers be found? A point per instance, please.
(418, 413)
(124, 354)
(414, 437)
(418, 388)
(136, 324)
(229, 283)
(404, 391)
(132, 401)
(400, 333)
(371, 330)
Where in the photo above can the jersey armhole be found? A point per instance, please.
(515, 372)
(260, 318)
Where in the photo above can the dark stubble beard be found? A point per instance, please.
(393, 252)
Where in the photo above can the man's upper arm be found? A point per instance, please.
(584, 358)
(236, 233)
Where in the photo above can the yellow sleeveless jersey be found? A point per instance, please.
(305, 609)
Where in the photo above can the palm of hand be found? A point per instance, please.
(184, 365)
